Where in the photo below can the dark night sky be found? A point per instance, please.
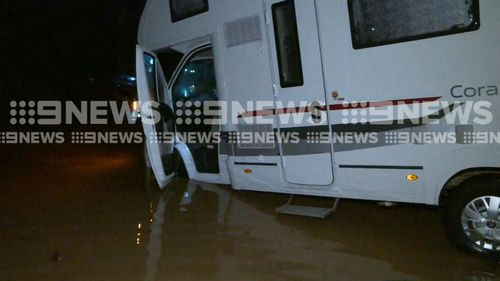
(51, 49)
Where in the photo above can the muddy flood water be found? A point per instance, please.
(94, 213)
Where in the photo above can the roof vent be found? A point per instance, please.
(242, 31)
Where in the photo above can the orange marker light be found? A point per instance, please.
(412, 177)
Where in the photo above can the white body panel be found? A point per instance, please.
(411, 70)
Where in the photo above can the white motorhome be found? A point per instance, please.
(392, 100)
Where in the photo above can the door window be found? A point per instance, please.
(196, 80)
(150, 66)
(287, 44)
(194, 86)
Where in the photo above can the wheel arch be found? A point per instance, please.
(457, 179)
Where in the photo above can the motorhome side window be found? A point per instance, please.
(287, 44)
(375, 22)
(182, 9)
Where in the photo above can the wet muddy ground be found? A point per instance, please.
(94, 213)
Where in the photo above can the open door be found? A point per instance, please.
(156, 115)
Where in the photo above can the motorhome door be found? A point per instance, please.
(299, 90)
(156, 115)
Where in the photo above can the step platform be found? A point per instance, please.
(307, 211)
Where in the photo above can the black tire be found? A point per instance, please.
(470, 191)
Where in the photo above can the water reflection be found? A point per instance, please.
(154, 244)
(92, 218)
(212, 233)
(222, 194)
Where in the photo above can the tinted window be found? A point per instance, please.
(181, 9)
(376, 22)
(287, 44)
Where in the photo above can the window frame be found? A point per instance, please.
(174, 18)
(476, 25)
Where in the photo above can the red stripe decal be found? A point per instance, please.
(335, 107)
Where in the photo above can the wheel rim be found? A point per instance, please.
(481, 222)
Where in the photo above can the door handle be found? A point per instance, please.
(316, 110)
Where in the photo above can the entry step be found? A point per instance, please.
(307, 211)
